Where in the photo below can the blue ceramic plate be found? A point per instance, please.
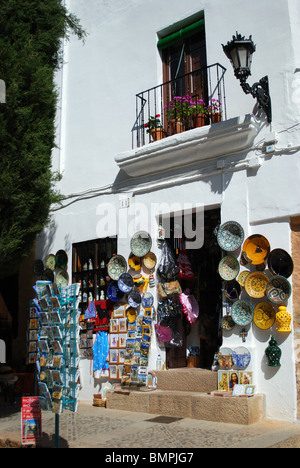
(147, 300)
(230, 236)
(241, 357)
(278, 289)
(113, 292)
(134, 299)
(125, 282)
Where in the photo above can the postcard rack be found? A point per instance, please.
(58, 346)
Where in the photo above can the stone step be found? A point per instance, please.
(187, 404)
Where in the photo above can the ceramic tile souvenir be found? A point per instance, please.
(264, 315)
(140, 243)
(116, 266)
(278, 289)
(225, 358)
(255, 284)
(241, 357)
(242, 312)
(280, 263)
(229, 268)
(256, 249)
(230, 236)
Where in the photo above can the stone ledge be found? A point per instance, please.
(194, 405)
(189, 379)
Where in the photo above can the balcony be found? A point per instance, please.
(190, 101)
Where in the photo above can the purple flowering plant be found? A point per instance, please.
(180, 107)
(215, 106)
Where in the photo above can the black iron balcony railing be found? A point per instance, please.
(189, 101)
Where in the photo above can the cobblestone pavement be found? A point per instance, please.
(96, 427)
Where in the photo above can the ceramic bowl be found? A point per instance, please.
(147, 300)
(280, 263)
(230, 236)
(232, 290)
(135, 263)
(242, 277)
(113, 292)
(117, 265)
(125, 282)
(264, 315)
(149, 260)
(140, 243)
(50, 262)
(229, 268)
(242, 312)
(255, 284)
(134, 299)
(227, 323)
(61, 259)
(241, 357)
(62, 278)
(256, 249)
(278, 289)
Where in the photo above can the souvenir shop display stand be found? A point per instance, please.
(53, 345)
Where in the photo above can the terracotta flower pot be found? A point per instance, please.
(157, 134)
(199, 120)
(177, 126)
(216, 117)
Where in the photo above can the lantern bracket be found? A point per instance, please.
(260, 91)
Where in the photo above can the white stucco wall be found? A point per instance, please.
(97, 111)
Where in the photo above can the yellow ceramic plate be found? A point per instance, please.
(255, 284)
(264, 315)
(256, 249)
(242, 277)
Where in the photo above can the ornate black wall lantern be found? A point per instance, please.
(239, 51)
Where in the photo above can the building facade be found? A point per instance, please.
(117, 180)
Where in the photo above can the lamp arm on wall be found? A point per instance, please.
(260, 91)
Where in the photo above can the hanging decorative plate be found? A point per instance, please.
(256, 249)
(140, 243)
(227, 323)
(232, 290)
(255, 284)
(134, 299)
(242, 312)
(147, 300)
(229, 268)
(241, 357)
(61, 259)
(242, 277)
(113, 292)
(149, 261)
(50, 262)
(125, 282)
(230, 236)
(280, 263)
(225, 358)
(134, 262)
(278, 289)
(62, 278)
(264, 315)
(48, 275)
(116, 266)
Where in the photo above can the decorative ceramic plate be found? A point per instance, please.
(149, 261)
(125, 282)
(242, 277)
(147, 300)
(227, 323)
(280, 263)
(61, 259)
(116, 266)
(50, 262)
(255, 284)
(230, 236)
(242, 312)
(256, 249)
(264, 315)
(62, 278)
(134, 299)
(278, 289)
(113, 292)
(229, 268)
(225, 358)
(38, 267)
(241, 357)
(134, 262)
(140, 243)
(232, 290)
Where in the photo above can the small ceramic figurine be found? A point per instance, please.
(273, 353)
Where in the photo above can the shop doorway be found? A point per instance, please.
(204, 336)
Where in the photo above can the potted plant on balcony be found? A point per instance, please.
(179, 112)
(155, 128)
(199, 113)
(215, 111)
